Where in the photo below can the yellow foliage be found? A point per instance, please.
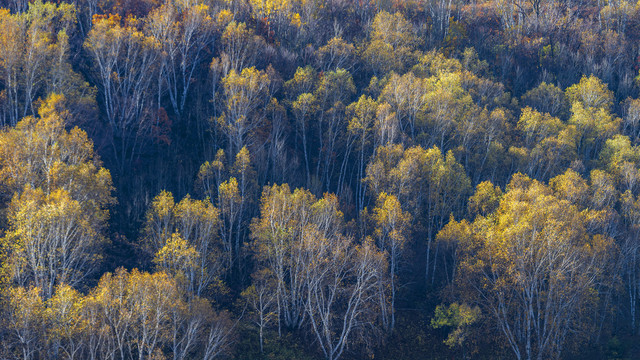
(534, 252)
(296, 20)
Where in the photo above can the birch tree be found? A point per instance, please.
(184, 33)
(323, 280)
(125, 64)
(533, 267)
(342, 292)
(35, 61)
(391, 236)
(183, 237)
(59, 198)
(246, 96)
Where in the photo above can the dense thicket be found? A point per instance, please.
(278, 179)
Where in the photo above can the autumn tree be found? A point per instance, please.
(51, 240)
(185, 32)
(246, 95)
(40, 152)
(447, 105)
(183, 238)
(125, 64)
(35, 61)
(406, 95)
(320, 277)
(485, 199)
(337, 54)
(142, 315)
(233, 188)
(391, 233)
(229, 201)
(128, 315)
(276, 14)
(303, 105)
(60, 194)
(246, 193)
(594, 126)
(65, 324)
(532, 266)
(285, 219)
(591, 103)
(432, 107)
(332, 94)
(24, 318)
(240, 47)
(440, 11)
(391, 44)
(548, 145)
(547, 98)
(459, 317)
(387, 129)
(361, 127)
(428, 184)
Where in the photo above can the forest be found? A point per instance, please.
(319, 179)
